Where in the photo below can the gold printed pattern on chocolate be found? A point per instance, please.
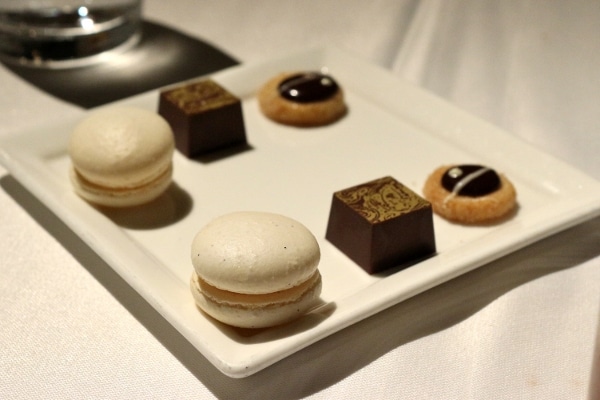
(204, 116)
(381, 224)
(382, 199)
(199, 97)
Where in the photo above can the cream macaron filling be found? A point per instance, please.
(290, 295)
(256, 311)
(121, 197)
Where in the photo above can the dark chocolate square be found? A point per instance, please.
(381, 224)
(204, 117)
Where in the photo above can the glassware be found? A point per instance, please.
(66, 33)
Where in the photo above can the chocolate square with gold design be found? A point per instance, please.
(204, 117)
(381, 224)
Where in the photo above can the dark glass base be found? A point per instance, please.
(161, 57)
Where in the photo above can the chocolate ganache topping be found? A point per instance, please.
(308, 87)
(471, 180)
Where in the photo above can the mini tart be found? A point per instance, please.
(327, 108)
(469, 209)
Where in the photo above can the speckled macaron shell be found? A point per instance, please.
(255, 253)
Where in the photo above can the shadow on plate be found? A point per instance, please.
(162, 57)
(334, 358)
(169, 208)
(221, 154)
(262, 335)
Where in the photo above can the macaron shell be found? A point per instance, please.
(255, 252)
(121, 146)
(256, 311)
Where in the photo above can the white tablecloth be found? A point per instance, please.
(524, 326)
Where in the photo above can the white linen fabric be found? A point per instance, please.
(524, 326)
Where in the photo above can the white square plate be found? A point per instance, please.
(392, 128)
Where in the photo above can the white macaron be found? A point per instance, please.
(255, 269)
(121, 156)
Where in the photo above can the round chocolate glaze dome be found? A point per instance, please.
(471, 180)
(308, 87)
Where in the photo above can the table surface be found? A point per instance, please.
(524, 326)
